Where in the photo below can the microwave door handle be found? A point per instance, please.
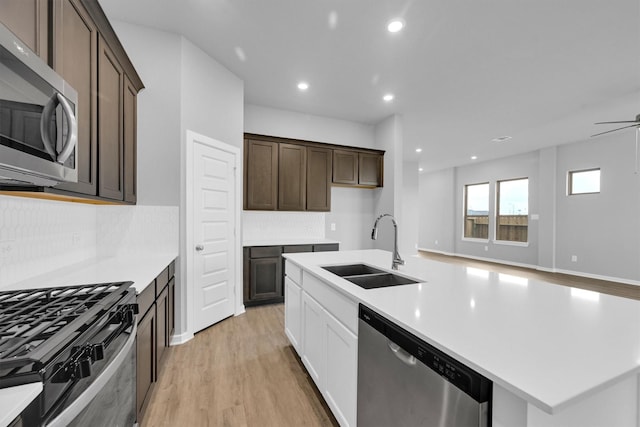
(45, 121)
(72, 130)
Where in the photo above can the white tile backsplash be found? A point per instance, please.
(261, 225)
(41, 236)
(37, 236)
(130, 230)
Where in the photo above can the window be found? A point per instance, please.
(584, 181)
(476, 211)
(513, 210)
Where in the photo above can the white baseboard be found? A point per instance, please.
(177, 339)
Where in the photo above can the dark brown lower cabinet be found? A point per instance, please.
(145, 362)
(264, 271)
(156, 304)
(162, 331)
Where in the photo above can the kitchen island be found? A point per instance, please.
(558, 356)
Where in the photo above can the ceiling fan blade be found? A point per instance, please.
(628, 121)
(614, 130)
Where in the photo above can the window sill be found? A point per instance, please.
(474, 239)
(509, 243)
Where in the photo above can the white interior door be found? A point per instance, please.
(214, 224)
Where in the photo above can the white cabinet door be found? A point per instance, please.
(292, 313)
(341, 371)
(313, 339)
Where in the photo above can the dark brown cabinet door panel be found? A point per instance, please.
(145, 360)
(110, 142)
(28, 19)
(266, 278)
(292, 177)
(261, 169)
(370, 169)
(319, 167)
(162, 330)
(130, 141)
(75, 58)
(345, 167)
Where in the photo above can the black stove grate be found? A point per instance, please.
(36, 324)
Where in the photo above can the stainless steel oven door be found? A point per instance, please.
(109, 400)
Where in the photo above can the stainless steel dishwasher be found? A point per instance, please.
(403, 381)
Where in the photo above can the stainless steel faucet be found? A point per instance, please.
(397, 260)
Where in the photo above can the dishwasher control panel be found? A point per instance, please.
(451, 371)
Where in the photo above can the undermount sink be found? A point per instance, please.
(352, 270)
(368, 277)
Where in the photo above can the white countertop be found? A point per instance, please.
(141, 270)
(13, 400)
(287, 241)
(551, 345)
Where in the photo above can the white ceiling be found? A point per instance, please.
(463, 71)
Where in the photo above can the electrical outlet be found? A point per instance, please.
(486, 248)
(333, 226)
(436, 243)
(75, 239)
(574, 258)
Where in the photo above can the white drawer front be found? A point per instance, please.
(341, 307)
(293, 272)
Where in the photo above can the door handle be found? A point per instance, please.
(401, 354)
(199, 248)
(72, 128)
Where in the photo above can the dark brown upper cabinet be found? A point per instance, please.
(28, 19)
(345, 167)
(319, 167)
(292, 177)
(130, 134)
(77, 40)
(75, 58)
(261, 175)
(370, 167)
(110, 136)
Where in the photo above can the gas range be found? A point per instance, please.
(63, 337)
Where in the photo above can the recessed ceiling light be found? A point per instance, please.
(388, 97)
(395, 25)
(303, 85)
(420, 169)
(418, 150)
(474, 157)
(501, 139)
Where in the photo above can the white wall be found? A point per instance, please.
(290, 124)
(351, 209)
(388, 137)
(409, 223)
(212, 98)
(602, 230)
(437, 193)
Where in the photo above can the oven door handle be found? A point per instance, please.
(78, 405)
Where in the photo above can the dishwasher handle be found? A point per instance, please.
(402, 354)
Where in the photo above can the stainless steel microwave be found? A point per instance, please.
(38, 119)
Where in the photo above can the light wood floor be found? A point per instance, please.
(239, 372)
(243, 371)
(604, 286)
